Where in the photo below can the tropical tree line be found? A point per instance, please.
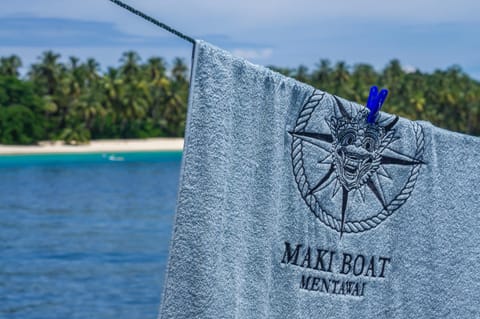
(448, 98)
(76, 102)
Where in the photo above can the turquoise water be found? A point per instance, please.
(85, 236)
(94, 158)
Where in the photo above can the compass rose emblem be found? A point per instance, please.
(353, 174)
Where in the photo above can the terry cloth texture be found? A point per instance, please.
(292, 206)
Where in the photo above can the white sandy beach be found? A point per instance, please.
(134, 145)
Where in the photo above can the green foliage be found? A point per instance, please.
(18, 125)
(449, 99)
(76, 102)
(20, 112)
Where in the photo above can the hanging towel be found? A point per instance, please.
(291, 206)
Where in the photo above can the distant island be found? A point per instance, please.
(75, 102)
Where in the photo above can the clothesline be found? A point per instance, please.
(154, 21)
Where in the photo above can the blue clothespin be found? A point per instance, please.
(375, 102)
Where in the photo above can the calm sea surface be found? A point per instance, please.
(85, 236)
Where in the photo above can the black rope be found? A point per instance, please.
(154, 21)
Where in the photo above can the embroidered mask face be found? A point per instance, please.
(356, 147)
(356, 150)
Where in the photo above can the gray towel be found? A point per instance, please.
(292, 206)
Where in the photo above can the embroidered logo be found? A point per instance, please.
(351, 174)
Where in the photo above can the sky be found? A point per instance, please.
(422, 34)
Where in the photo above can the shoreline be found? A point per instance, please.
(96, 146)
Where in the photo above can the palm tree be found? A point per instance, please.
(85, 96)
(322, 75)
(92, 68)
(302, 74)
(362, 78)
(130, 67)
(9, 66)
(179, 70)
(159, 88)
(126, 93)
(392, 77)
(341, 80)
(176, 101)
(113, 88)
(46, 73)
(155, 69)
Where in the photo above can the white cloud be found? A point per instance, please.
(409, 69)
(253, 54)
(232, 17)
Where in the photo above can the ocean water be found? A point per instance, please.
(85, 236)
